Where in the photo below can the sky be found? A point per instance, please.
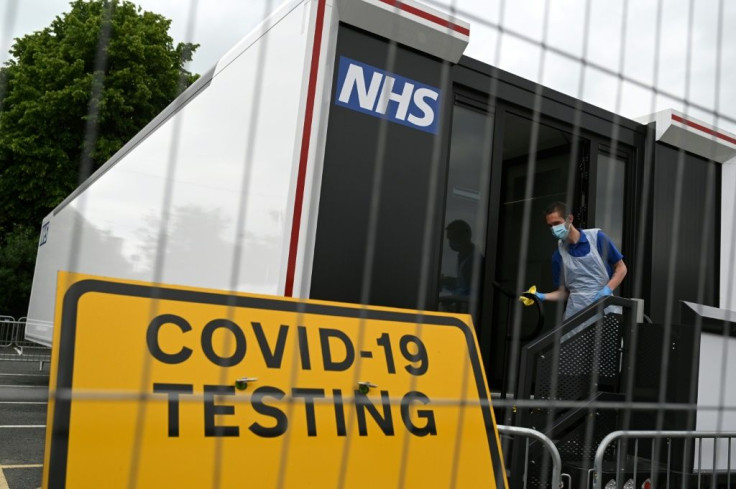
(218, 24)
(619, 36)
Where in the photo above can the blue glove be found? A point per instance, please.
(540, 296)
(602, 293)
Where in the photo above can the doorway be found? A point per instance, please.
(537, 164)
(505, 168)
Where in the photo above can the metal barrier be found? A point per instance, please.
(550, 447)
(630, 467)
(6, 331)
(13, 346)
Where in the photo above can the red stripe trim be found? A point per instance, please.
(706, 130)
(427, 16)
(304, 154)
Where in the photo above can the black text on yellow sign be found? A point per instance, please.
(411, 347)
(262, 391)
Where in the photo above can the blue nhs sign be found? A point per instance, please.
(367, 89)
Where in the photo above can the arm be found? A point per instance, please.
(619, 272)
(558, 295)
(561, 293)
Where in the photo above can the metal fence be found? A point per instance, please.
(532, 436)
(645, 459)
(576, 387)
(677, 459)
(7, 331)
(14, 346)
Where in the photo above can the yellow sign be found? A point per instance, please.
(162, 386)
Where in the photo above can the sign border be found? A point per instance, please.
(59, 449)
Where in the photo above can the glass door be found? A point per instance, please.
(466, 211)
(539, 165)
(607, 211)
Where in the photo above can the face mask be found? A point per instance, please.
(560, 231)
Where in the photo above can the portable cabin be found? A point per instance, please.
(327, 153)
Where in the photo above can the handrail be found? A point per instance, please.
(540, 317)
(551, 448)
(513, 296)
(591, 312)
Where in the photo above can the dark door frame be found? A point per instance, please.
(599, 140)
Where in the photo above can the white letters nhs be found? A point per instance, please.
(367, 89)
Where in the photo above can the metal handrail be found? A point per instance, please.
(551, 448)
(591, 312)
(633, 434)
(513, 296)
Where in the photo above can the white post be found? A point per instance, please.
(728, 236)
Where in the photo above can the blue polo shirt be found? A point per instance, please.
(608, 251)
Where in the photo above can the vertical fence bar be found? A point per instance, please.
(619, 456)
(715, 457)
(636, 456)
(526, 463)
(669, 460)
(728, 473)
(700, 460)
(685, 455)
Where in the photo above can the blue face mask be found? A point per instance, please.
(560, 231)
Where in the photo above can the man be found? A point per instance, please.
(586, 265)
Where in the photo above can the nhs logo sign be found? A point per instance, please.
(367, 89)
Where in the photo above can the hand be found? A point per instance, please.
(532, 290)
(602, 293)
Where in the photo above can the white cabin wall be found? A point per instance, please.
(215, 178)
(313, 178)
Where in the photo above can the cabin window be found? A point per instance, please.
(466, 211)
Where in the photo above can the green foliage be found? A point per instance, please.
(17, 259)
(74, 93)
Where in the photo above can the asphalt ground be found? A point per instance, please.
(23, 404)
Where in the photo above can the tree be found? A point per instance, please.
(72, 95)
(17, 257)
